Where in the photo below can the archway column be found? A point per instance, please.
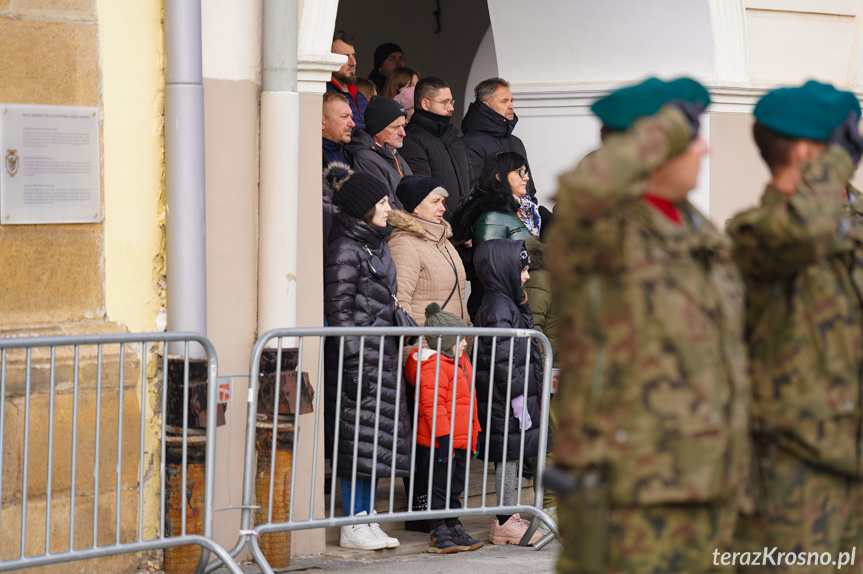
(315, 62)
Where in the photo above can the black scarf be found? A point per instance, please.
(446, 120)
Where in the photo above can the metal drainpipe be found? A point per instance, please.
(186, 238)
(279, 191)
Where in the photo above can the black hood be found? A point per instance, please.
(498, 267)
(481, 118)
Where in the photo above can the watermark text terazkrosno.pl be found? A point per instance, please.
(774, 557)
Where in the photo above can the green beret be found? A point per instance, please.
(811, 111)
(621, 108)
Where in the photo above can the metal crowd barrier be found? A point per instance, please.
(56, 367)
(301, 514)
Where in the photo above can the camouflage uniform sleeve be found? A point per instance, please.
(787, 233)
(590, 196)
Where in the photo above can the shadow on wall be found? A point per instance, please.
(447, 53)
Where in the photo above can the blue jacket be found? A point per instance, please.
(356, 99)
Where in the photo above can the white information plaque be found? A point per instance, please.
(51, 169)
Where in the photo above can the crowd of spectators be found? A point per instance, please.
(418, 215)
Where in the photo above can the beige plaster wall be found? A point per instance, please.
(231, 127)
(792, 41)
(737, 173)
(310, 313)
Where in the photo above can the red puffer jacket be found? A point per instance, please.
(463, 412)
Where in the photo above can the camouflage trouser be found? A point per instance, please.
(805, 509)
(675, 538)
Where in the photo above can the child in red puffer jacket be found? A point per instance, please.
(446, 422)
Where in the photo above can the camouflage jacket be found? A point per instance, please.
(653, 381)
(802, 259)
(854, 205)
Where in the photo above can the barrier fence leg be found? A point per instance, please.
(184, 559)
(276, 546)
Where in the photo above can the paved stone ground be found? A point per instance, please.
(489, 559)
(411, 557)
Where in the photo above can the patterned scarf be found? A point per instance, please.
(529, 214)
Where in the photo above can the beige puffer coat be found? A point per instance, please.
(426, 266)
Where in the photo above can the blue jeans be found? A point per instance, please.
(362, 496)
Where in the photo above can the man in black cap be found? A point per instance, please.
(388, 57)
(374, 149)
(344, 80)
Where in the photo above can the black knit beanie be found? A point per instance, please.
(383, 52)
(413, 189)
(354, 193)
(380, 113)
(437, 317)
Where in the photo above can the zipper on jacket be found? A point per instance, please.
(398, 167)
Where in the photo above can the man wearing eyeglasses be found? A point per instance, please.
(432, 146)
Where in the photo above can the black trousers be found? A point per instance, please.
(439, 478)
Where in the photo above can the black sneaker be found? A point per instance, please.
(464, 541)
(441, 541)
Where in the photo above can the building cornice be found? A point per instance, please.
(315, 69)
(557, 100)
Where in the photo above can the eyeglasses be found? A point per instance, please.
(522, 172)
(445, 103)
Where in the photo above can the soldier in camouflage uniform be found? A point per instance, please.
(653, 395)
(801, 255)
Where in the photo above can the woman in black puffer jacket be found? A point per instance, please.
(502, 265)
(359, 280)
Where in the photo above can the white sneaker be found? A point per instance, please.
(360, 537)
(376, 529)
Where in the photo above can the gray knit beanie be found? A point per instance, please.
(437, 317)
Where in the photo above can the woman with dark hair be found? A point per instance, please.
(359, 288)
(499, 207)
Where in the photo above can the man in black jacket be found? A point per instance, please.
(433, 146)
(488, 126)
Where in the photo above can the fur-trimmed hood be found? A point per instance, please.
(400, 219)
(536, 249)
(480, 202)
